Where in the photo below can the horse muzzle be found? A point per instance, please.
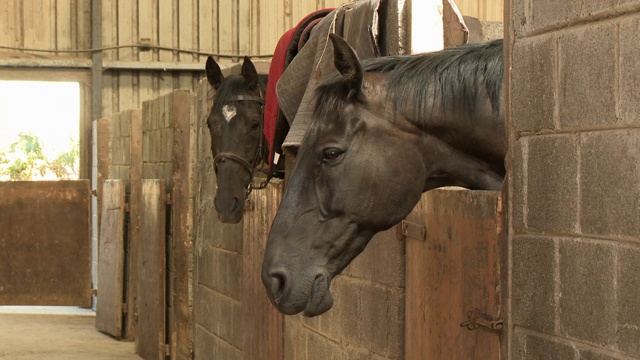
(292, 294)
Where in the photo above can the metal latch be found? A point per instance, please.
(477, 318)
(407, 229)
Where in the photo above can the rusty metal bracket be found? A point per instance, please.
(407, 229)
(477, 318)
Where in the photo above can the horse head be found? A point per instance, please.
(237, 140)
(374, 146)
(356, 174)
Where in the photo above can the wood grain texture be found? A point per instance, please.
(45, 253)
(263, 325)
(455, 270)
(135, 199)
(183, 117)
(152, 267)
(111, 259)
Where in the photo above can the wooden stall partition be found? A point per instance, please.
(263, 324)
(110, 297)
(183, 115)
(133, 242)
(151, 325)
(45, 243)
(453, 275)
(103, 129)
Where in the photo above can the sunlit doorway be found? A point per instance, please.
(39, 130)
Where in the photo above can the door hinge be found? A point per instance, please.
(407, 229)
(477, 318)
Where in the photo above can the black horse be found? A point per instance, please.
(383, 132)
(237, 140)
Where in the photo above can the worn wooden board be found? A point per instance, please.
(184, 147)
(456, 32)
(45, 243)
(263, 325)
(133, 243)
(103, 128)
(111, 259)
(151, 325)
(456, 269)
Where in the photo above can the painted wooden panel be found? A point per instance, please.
(452, 270)
(111, 260)
(45, 254)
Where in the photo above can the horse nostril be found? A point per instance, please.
(278, 282)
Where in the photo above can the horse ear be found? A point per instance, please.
(346, 62)
(214, 74)
(249, 74)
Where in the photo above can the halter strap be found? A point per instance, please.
(247, 98)
(249, 166)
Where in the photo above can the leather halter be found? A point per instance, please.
(250, 166)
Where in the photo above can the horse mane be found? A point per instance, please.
(450, 77)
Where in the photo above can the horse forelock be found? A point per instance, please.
(231, 87)
(332, 96)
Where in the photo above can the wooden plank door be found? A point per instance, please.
(45, 243)
(152, 272)
(453, 270)
(111, 259)
(263, 325)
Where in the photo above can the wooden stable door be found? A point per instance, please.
(453, 304)
(45, 243)
(109, 305)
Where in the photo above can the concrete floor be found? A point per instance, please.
(29, 333)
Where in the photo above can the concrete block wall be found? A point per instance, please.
(574, 179)
(367, 318)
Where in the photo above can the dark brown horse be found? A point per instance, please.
(383, 132)
(237, 140)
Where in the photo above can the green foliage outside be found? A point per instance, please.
(25, 159)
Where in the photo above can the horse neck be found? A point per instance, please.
(470, 144)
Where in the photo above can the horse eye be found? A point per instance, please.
(255, 124)
(331, 154)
